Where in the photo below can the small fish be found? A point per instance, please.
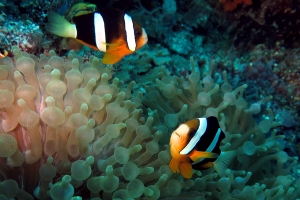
(111, 31)
(3, 53)
(195, 145)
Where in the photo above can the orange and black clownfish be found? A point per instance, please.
(3, 53)
(195, 145)
(111, 31)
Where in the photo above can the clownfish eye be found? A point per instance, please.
(137, 33)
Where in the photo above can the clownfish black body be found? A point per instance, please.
(195, 145)
(111, 31)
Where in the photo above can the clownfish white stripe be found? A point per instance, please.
(129, 32)
(212, 145)
(100, 32)
(214, 142)
(196, 138)
(74, 30)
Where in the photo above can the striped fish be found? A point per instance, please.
(195, 145)
(110, 30)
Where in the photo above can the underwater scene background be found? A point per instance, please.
(75, 128)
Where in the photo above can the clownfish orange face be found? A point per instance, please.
(195, 144)
(140, 36)
(110, 30)
(180, 136)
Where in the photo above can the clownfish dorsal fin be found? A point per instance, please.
(186, 169)
(174, 165)
(196, 155)
(223, 161)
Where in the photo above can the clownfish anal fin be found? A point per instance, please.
(221, 164)
(110, 58)
(196, 155)
(186, 169)
(174, 165)
(207, 165)
(86, 44)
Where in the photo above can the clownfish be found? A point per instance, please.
(3, 53)
(111, 31)
(195, 145)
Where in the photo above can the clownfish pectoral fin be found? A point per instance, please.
(115, 52)
(186, 169)
(111, 58)
(58, 25)
(112, 44)
(196, 155)
(174, 165)
(221, 164)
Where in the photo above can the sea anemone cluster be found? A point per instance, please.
(69, 130)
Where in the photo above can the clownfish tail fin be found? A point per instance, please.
(221, 164)
(58, 25)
